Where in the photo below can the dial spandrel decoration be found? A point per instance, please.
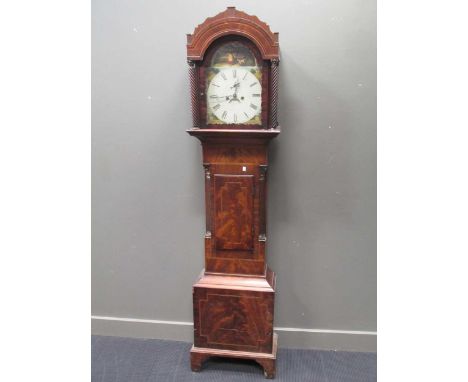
(234, 90)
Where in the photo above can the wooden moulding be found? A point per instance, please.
(266, 360)
(232, 22)
(264, 283)
(203, 134)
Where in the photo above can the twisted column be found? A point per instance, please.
(274, 94)
(193, 74)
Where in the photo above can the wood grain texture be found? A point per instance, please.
(235, 207)
(266, 360)
(233, 299)
(234, 313)
(232, 22)
(233, 211)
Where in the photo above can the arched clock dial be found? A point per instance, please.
(234, 95)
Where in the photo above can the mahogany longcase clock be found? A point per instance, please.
(233, 60)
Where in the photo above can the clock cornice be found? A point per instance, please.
(232, 22)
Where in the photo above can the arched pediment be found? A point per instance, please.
(232, 22)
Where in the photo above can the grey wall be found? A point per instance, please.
(147, 185)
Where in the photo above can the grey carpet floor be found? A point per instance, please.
(116, 359)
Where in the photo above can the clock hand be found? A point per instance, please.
(234, 96)
(221, 98)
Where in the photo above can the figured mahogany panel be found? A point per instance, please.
(235, 326)
(233, 212)
(233, 245)
(233, 319)
(234, 153)
(235, 266)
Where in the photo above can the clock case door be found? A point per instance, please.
(202, 78)
(235, 210)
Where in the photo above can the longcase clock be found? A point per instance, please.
(233, 65)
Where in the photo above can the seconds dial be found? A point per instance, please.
(234, 95)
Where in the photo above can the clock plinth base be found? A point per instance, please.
(233, 317)
(266, 360)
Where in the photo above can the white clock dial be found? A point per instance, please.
(235, 95)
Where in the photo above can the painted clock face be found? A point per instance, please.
(235, 95)
(233, 86)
